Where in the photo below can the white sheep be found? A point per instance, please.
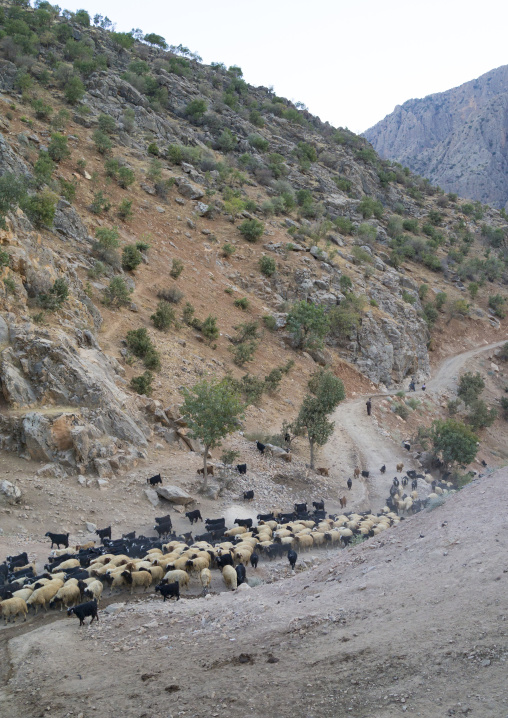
(13, 607)
(206, 578)
(230, 577)
(178, 575)
(42, 596)
(138, 579)
(23, 593)
(93, 590)
(68, 595)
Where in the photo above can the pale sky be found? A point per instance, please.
(350, 61)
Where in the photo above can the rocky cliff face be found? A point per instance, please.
(457, 139)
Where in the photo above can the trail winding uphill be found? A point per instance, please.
(371, 446)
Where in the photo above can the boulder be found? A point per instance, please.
(174, 494)
(188, 190)
(10, 493)
(152, 497)
(36, 430)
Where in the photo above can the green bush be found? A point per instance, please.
(123, 39)
(196, 109)
(400, 409)
(256, 118)
(106, 124)
(228, 250)
(40, 208)
(430, 314)
(125, 210)
(440, 300)
(470, 387)
(367, 232)
(480, 416)
(5, 258)
(408, 297)
(227, 141)
(102, 142)
(131, 257)
(273, 380)
(164, 317)
(142, 384)
(107, 238)
(210, 329)
(252, 229)
(97, 270)
(243, 352)
(112, 167)
(361, 255)
(74, 90)
(176, 268)
(43, 168)
(369, 207)
(497, 303)
(82, 18)
(270, 322)
(308, 325)
(67, 189)
(141, 346)
(58, 294)
(117, 294)
(242, 303)
(267, 265)
(42, 111)
(100, 203)
(125, 177)
(258, 143)
(58, 148)
(410, 225)
(473, 289)
(188, 313)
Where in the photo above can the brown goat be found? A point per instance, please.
(357, 472)
(400, 467)
(322, 471)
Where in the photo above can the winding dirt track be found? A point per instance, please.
(371, 446)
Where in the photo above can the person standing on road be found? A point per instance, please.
(369, 406)
(349, 483)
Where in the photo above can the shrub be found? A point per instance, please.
(142, 246)
(141, 346)
(58, 149)
(117, 294)
(106, 124)
(400, 409)
(440, 300)
(196, 109)
(153, 149)
(308, 325)
(142, 384)
(100, 203)
(243, 352)
(102, 142)
(57, 295)
(496, 303)
(242, 303)
(97, 270)
(228, 456)
(176, 268)
(246, 331)
(470, 387)
(252, 388)
(82, 18)
(252, 229)
(188, 313)
(369, 207)
(126, 177)
(473, 289)
(267, 265)
(480, 416)
(453, 406)
(172, 294)
(40, 208)
(408, 297)
(5, 258)
(164, 317)
(460, 308)
(423, 291)
(43, 168)
(228, 250)
(361, 255)
(131, 257)
(74, 90)
(256, 118)
(226, 141)
(210, 329)
(273, 380)
(430, 314)
(367, 232)
(258, 143)
(270, 322)
(125, 210)
(42, 111)
(410, 225)
(107, 238)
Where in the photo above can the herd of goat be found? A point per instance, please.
(74, 578)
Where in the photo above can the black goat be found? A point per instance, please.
(396, 482)
(411, 473)
(169, 590)
(224, 560)
(244, 522)
(130, 536)
(248, 495)
(103, 533)
(20, 557)
(285, 518)
(58, 539)
(241, 574)
(163, 529)
(261, 447)
(265, 517)
(365, 474)
(383, 469)
(292, 558)
(241, 468)
(154, 480)
(194, 516)
(254, 558)
(300, 508)
(214, 523)
(162, 519)
(83, 610)
(404, 481)
(414, 484)
(319, 505)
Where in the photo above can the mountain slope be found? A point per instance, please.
(456, 138)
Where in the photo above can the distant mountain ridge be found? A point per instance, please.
(458, 138)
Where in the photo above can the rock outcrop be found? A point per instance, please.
(457, 139)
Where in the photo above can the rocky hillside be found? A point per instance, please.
(456, 138)
(161, 221)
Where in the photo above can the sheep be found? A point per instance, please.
(206, 578)
(23, 593)
(230, 577)
(85, 546)
(71, 563)
(13, 607)
(137, 578)
(177, 575)
(94, 590)
(156, 572)
(318, 538)
(67, 595)
(236, 531)
(83, 610)
(116, 581)
(27, 567)
(196, 565)
(304, 541)
(58, 539)
(414, 495)
(42, 596)
(400, 468)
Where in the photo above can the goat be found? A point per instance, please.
(241, 468)
(319, 505)
(300, 508)
(260, 447)
(104, 533)
(383, 469)
(248, 495)
(209, 470)
(357, 472)
(154, 480)
(322, 471)
(58, 539)
(83, 610)
(162, 519)
(169, 590)
(343, 502)
(365, 474)
(194, 516)
(244, 522)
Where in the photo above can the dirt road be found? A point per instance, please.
(371, 446)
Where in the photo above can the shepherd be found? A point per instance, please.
(369, 406)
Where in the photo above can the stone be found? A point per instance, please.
(212, 491)
(160, 209)
(175, 495)
(36, 436)
(102, 483)
(114, 608)
(152, 497)
(10, 493)
(243, 588)
(188, 190)
(202, 209)
(90, 527)
(50, 471)
(103, 468)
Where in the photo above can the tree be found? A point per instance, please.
(454, 441)
(212, 410)
(480, 415)
(327, 391)
(158, 40)
(308, 325)
(470, 387)
(252, 229)
(74, 90)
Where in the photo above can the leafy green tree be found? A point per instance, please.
(252, 229)
(40, 208)
(196, 109)
(131, 257)
(470, 387)
(153, 39)
(212, 410)
(164, 317)
(326, 392)
(142, 384)
(209, 328)
(12, 191)
(117, 294)
(480, 415)
(43, 168)
(74, 90)
(82, 18)
(454, 441)
(58, 149)
(308, 325)
(497, 304)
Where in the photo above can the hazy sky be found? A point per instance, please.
(349, 61)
